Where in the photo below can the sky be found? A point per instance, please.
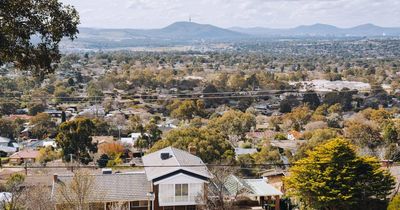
(242, 13)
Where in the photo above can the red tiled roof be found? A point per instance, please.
(19, 116)
(26, 154)
(296, 134)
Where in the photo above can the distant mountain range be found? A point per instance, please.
(189, 32)
(175, 31)
(322, 30)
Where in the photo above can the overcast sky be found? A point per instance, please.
(228, 13)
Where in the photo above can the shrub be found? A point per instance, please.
(280, 136)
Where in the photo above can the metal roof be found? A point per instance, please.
(260, 188)
(4, 139)
(244, 151)
(252, 187)
(111, 187)
(155, 167)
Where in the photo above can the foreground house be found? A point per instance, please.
(104, 191)
(178, 179)
(173, 179)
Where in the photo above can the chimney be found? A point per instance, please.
(55, 177)
(192, 149)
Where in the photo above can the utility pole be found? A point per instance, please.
(26, 168)
(95, 102)
(71, 161)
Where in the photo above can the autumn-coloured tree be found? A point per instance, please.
(299, 117)
(111, 149)
(364, 134)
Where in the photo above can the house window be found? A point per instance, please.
(191, 208)
(139, 204)
(181, 190)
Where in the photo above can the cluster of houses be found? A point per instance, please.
(172, 179)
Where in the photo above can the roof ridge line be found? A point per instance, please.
(173, 152)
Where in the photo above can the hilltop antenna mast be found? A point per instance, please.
(190, 19)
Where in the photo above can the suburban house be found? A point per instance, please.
(274, 177)
(294, 135)
(36, 145)
(100, 140)
(7, 146)
(256, 189)
(131, 139)
(178, 179)
(244, 151)
(172, 179)
(24, 156)
(105, 191)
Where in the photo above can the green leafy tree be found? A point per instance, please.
(35, 108)
(14, 185)
(103, 160)
(135, 124)
(390, 134)
(94, 91)
(8, 107)
(267, 154)
(22, 19)
(48, 154)
(6, 128)
(335, 108)
(363, 134)
(211, 146)
(43, 126)
(299, 117)
(332, 176)
(152, 131)
(233, 122)
(102, 127)
(74, 138)
(62, 94)
(237, 82)
(315, 138)
(187, 110)
(311, 99)
(395, 203)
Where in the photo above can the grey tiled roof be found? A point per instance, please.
(111, 187)
(155, 167)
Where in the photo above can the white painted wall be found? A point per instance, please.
(167, 195)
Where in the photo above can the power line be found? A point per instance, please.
(242, 94)
(243, 166)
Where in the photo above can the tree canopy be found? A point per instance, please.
(43, 126)
(233, 122)
(31, 30)
(210, 144)
(74, 138)
(332, 176)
